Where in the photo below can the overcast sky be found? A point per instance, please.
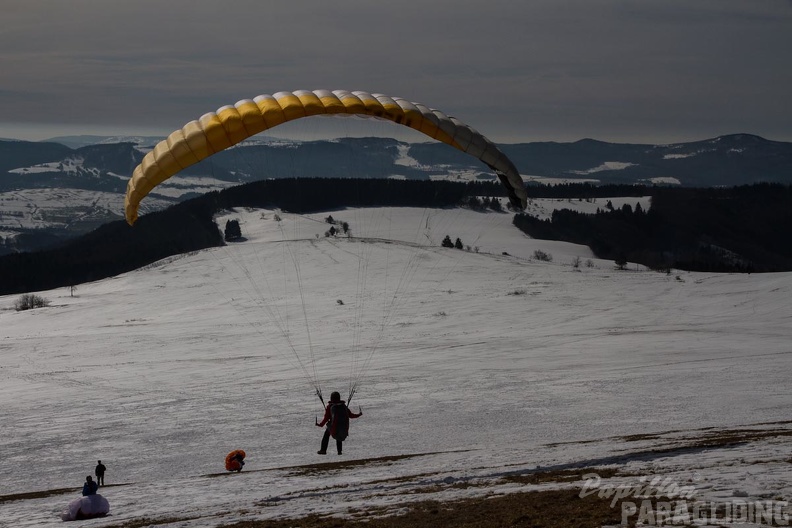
(648, 71)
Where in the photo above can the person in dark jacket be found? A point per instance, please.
(336, 417)
(90, 487)
(100, 471)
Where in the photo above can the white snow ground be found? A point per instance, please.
(487, 364)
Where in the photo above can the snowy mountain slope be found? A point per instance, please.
(487, 365)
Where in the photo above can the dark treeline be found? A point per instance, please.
(299, 195)
(564, 190)
(116, 247)
(738, 229)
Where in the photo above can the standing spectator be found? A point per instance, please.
(100, 471)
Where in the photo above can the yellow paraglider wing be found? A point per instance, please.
(229, 125)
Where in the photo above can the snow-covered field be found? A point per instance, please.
(39, 208)
(543, 208)
(488, 362)
(61, 208)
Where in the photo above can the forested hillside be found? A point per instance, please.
(739, 229)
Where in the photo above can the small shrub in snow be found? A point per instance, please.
(520, 291)
(29, 301)
(543, 256)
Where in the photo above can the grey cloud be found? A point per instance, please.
(515, 70)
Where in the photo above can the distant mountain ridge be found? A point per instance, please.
(735, 159)
(69, 185)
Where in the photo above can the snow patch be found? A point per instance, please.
(71, 166)
(178, 187)
(543, 208)
(664, 180)
(606, 166)
(403, 156)
(545, 180)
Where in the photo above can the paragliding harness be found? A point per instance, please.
(339, 420)
(339, 416)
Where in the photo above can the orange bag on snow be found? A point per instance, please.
(234, 460)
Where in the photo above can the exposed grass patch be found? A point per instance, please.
(47, 493)
(37, 494)
(150, 521)
(639, 437)
(311, 469)
(538, 509)
(562, 475)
